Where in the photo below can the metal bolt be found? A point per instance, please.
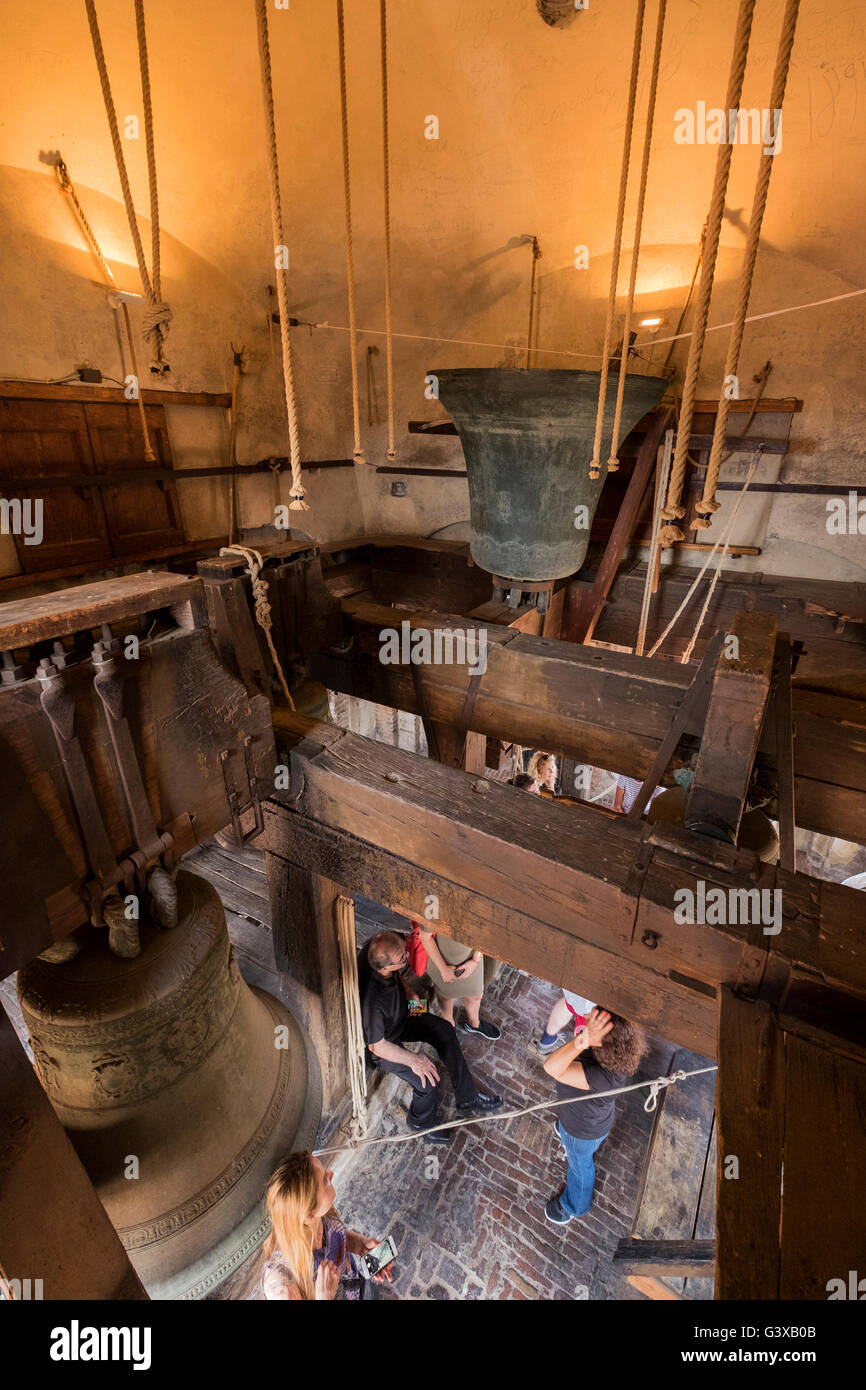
(650, 939)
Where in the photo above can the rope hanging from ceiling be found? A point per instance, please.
(297, 494)
(613, 461)
(386, 158)
(357, 453)
(158, 315)
(674, 511)
(709, 503)
(595, 464)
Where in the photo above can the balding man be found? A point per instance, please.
(388, 1023)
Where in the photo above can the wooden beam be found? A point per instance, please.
(28, 620)
(735, 718)
(750, 1118)
(666, 1259)
(608, 708)
(559, 891)
(304, 923)
(91, 392)
(583, 608)
(783, 721)
(53, 1227)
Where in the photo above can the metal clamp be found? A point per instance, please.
(253, 804)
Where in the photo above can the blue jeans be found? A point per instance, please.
(577, 1197)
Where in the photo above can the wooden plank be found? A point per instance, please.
(666, 1259)
(304, 925)
(783, 719)
(108, 567)
(735, 717)
(53, 1227)
(823, 1213)
(750, 1115)
(583, 608)
(91, 391)
(27, 620)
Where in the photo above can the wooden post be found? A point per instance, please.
(304, 923)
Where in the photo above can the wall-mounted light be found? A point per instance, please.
(651, 323)
(118, 297)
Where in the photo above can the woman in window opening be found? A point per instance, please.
(542, 768)
(309, 1253)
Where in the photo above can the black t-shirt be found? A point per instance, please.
(592, 1118)
(384, 1010)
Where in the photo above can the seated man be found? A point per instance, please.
(388, 1023)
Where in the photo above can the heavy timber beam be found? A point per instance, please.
(735, 717)
(597, 706)
(573, 897)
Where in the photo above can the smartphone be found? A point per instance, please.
(377, 1258)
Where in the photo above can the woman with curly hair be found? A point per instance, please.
(615, 1047)
(542, 769)
(309, 1253)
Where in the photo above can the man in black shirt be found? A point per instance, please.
(388, 1023)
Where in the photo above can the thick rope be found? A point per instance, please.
(595, 464)
(709, 503)
(613, 461)
(661, 493)
(158, 316)
(352, 1007)
(674, 510)
(697, 579)
(686, 656)
(657, 1084)
(157, 319)
(386, 159)
(297, 503)
(357, 453)
(262, 605)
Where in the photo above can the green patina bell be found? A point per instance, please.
(527, 439)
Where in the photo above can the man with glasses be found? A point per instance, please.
(388, 1023)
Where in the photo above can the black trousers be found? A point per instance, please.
(443, 1037)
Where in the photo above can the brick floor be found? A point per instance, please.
(468, 1220)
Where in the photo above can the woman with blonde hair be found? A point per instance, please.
(309, 1253)
(542, 769)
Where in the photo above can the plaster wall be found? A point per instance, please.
(530, 125)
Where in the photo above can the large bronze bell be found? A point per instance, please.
(527, 439)
(179, 1086)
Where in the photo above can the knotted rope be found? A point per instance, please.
(595, 464)
(297, 494)
(262, 605)
(674, 510)
(659, 1083)
(158, 316)
(357, 453)
(708, 503)
(386, 158)
(352, 1008)
(613, 461)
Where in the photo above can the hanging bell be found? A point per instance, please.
(180, 1088)
(527, 439)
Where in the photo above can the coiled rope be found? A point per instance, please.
(352, 1007)
(158, 316)
(659, 1083)
(262, 605)
(595, 463)
(709, 503)
(613, 461)
(386, 158)
(674, 511)
(357, 453)
(297, 494)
